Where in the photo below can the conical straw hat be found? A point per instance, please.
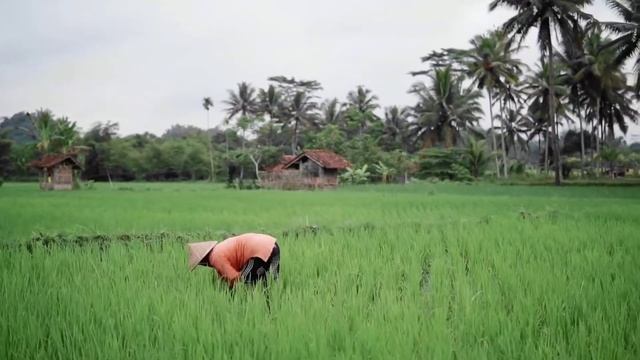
(197, 252)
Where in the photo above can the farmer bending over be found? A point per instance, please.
(247, 257)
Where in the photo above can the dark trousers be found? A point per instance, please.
(257, 270)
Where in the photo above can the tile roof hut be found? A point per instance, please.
(57, 171)
(312, 169)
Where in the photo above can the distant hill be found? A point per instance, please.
(19, 128)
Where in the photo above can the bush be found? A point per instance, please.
(356, 176)
(517, 168)
(443, 164)
(243, 184)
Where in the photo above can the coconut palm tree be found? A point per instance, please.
(515, 128)
(298, 106)
(396, 125)
(537, 128)
(606, 91)
(301, 112)
(270, 102)
(361, 104)
(475, 157)
(445, 109)
(243, 107)
(537, 87)
(573, 60)
(332, 113)
(492, 66)
(549, 17)
(628, 42)
(243, 102)
(207, 104)
(607, 84)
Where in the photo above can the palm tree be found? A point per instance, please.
(549, 16)
(207, 104)
(362, 103)
(537, 128)
(396, 124)
(301, 112)
(492, 66)
(573, 60)
(243, 106)
(331, 112)
(538, 88)
(475, 157)
(298, 105)
(445, 110)
(606, 90)
(243, 102)
(628, 43)
(514, 127)
(270, 102)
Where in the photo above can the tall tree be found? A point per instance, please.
(514, 127)
(573, 58)
(549, 17)
(538, 88)
(396, 126)
(332, 113)
(270, 102)
(628, 42)
(243, 102)
(207, 104)
(5, 152)
(608, 84)
(361, 104)
(242, 106)
(492, 66)
(298, 105)
(445, 109)
(301, 112)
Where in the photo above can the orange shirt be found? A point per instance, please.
(232, 254)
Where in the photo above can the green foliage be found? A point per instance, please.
(331, 137)
(357, 176)
(475, 157)
(446, 109)
(611, 156)
(386, 172)
(443, 164)
(5, 154)
(414, 272)
(517, 168)
(363, 150)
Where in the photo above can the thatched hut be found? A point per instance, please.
(57, 171)
(312, 169)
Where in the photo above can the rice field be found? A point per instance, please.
(429, 271)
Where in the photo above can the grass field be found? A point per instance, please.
(421, 271)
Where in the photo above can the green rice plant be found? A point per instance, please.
(419, 271)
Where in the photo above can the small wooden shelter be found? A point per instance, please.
(57, 171)
(312, 169)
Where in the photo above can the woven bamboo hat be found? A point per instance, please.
(197, 252)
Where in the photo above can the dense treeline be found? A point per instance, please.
(563, 115)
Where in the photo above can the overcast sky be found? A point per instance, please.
(147, 64)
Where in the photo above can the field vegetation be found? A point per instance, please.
(419, 271)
